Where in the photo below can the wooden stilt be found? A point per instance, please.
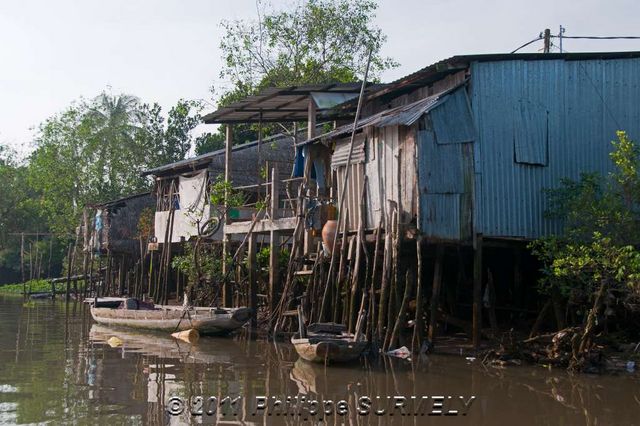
(400, 320)
(226, 285)
(435, 292)
(274, 243)
(418, 327)
(558, 311)
(355, 278)
(372, 320)
(253, 276)
(540, 318)
(67, 292)
(22, 257)
(384, 288)
(477, 290)
(493, 321)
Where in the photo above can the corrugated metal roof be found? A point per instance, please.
(341, 151)
(404, 115)
(287, 104)
(440, 69)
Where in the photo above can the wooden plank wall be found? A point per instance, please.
(391, 160)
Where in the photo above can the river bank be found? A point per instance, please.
(56, 365)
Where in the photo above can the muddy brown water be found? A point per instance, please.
(58, 367)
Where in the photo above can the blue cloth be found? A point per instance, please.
(98, 220)
(318, 168)
(298, 164)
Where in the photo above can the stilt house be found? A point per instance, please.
(462, 151)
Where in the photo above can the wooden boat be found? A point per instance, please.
(328, 342)
(105, 302)
(41, 295)
(208, 321)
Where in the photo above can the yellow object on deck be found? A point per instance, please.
(114, 342)
(190, 335)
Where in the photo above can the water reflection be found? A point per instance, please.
(57, 365)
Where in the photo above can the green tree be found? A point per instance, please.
(316, 41)
(95, 151)
(595, 262)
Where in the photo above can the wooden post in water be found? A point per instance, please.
(418, 327)
(311, 132)
(226, 287)
(67, 295)
(477, 290)
(435, 293)
(22, 256)
(274, 243)
(253, 275)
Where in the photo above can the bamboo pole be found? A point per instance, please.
(384, 287)
(69, 255)
(274, 243)
(342, 265)
(371, 323)
(355, 278)
(22, 256)
(418, 330)
(226, 287)
(347, 169)
(253, 277)
(403, 309)
(393, 280)
(435, 293)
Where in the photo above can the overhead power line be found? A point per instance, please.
(601, 37)
(562, 36)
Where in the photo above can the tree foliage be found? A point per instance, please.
(599, 244)
(315, 41)
(95, 151)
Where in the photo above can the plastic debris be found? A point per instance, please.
(631, 365)
(470, 358)
(402, 352)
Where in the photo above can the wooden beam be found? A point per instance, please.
(435, 293)
(226, 287)
(274, 243)
(262, 226)
(477, 290)
(253, 277)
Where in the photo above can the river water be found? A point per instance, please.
(57, 366)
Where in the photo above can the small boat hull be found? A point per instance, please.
(208, 321)
(328, 349)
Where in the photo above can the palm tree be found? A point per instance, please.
(113, 125)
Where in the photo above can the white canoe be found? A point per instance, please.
(207, 321)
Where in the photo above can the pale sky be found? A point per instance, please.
(55, 51)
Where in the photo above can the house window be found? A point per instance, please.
(531, 135)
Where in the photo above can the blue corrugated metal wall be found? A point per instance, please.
(584, 102)
(445, 169)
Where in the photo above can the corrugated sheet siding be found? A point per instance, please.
(452, 119)
(445, 176)
(341, 151)
(587, 101)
